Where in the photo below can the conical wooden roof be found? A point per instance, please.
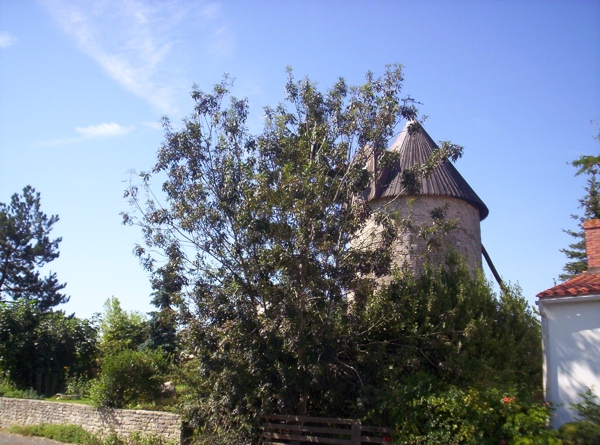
(415, 147)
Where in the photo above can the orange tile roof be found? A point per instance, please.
(584, 284)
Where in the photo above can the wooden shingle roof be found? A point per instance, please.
(415, 147)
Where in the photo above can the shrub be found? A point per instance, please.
(587, 431)
(8, 390)
(450, 325)
(129, 377)
(589, 409)
(78, 385)
(580, 433)
(426, 411)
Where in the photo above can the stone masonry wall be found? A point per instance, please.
(100, 421)
(465, 239)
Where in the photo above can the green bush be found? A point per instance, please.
(425, 411)
(580, 433)
(128, 378)
(78, 385)
(587, 431)
(8, 390)
(589, 409)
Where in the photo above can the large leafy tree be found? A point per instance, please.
(590, 204)
(254, 234)
(25, 247)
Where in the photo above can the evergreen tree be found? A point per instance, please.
(162, 325)
(25, 246)
(168, 282)
(590, 203)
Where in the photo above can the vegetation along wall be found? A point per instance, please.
(101, 421)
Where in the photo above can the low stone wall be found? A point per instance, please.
(100, 421)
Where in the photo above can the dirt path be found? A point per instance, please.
(16, 439)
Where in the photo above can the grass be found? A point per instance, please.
(76, 434)
(76, 401)
(61, 433)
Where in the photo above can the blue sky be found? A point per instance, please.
(83, 86)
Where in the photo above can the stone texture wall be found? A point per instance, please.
(410, 250)
(97, 421)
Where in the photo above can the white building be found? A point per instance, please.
(571, 333)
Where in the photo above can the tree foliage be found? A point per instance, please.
(25, 246)
(590, 204)
(254, 237)
(447, 328)
(40, 349)
(132, 367)
(121, 330)
(162, 325)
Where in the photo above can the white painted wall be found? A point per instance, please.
(571, 342)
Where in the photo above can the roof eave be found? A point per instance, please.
(559, 299)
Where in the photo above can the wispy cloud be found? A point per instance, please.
(109, 129)
(138, 43)
(103, 130)
(6, 39)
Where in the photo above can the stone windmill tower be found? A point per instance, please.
(444, 188)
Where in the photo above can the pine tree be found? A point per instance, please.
(167, 283)
(162, 325)
(25, 247)
(590, 203)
